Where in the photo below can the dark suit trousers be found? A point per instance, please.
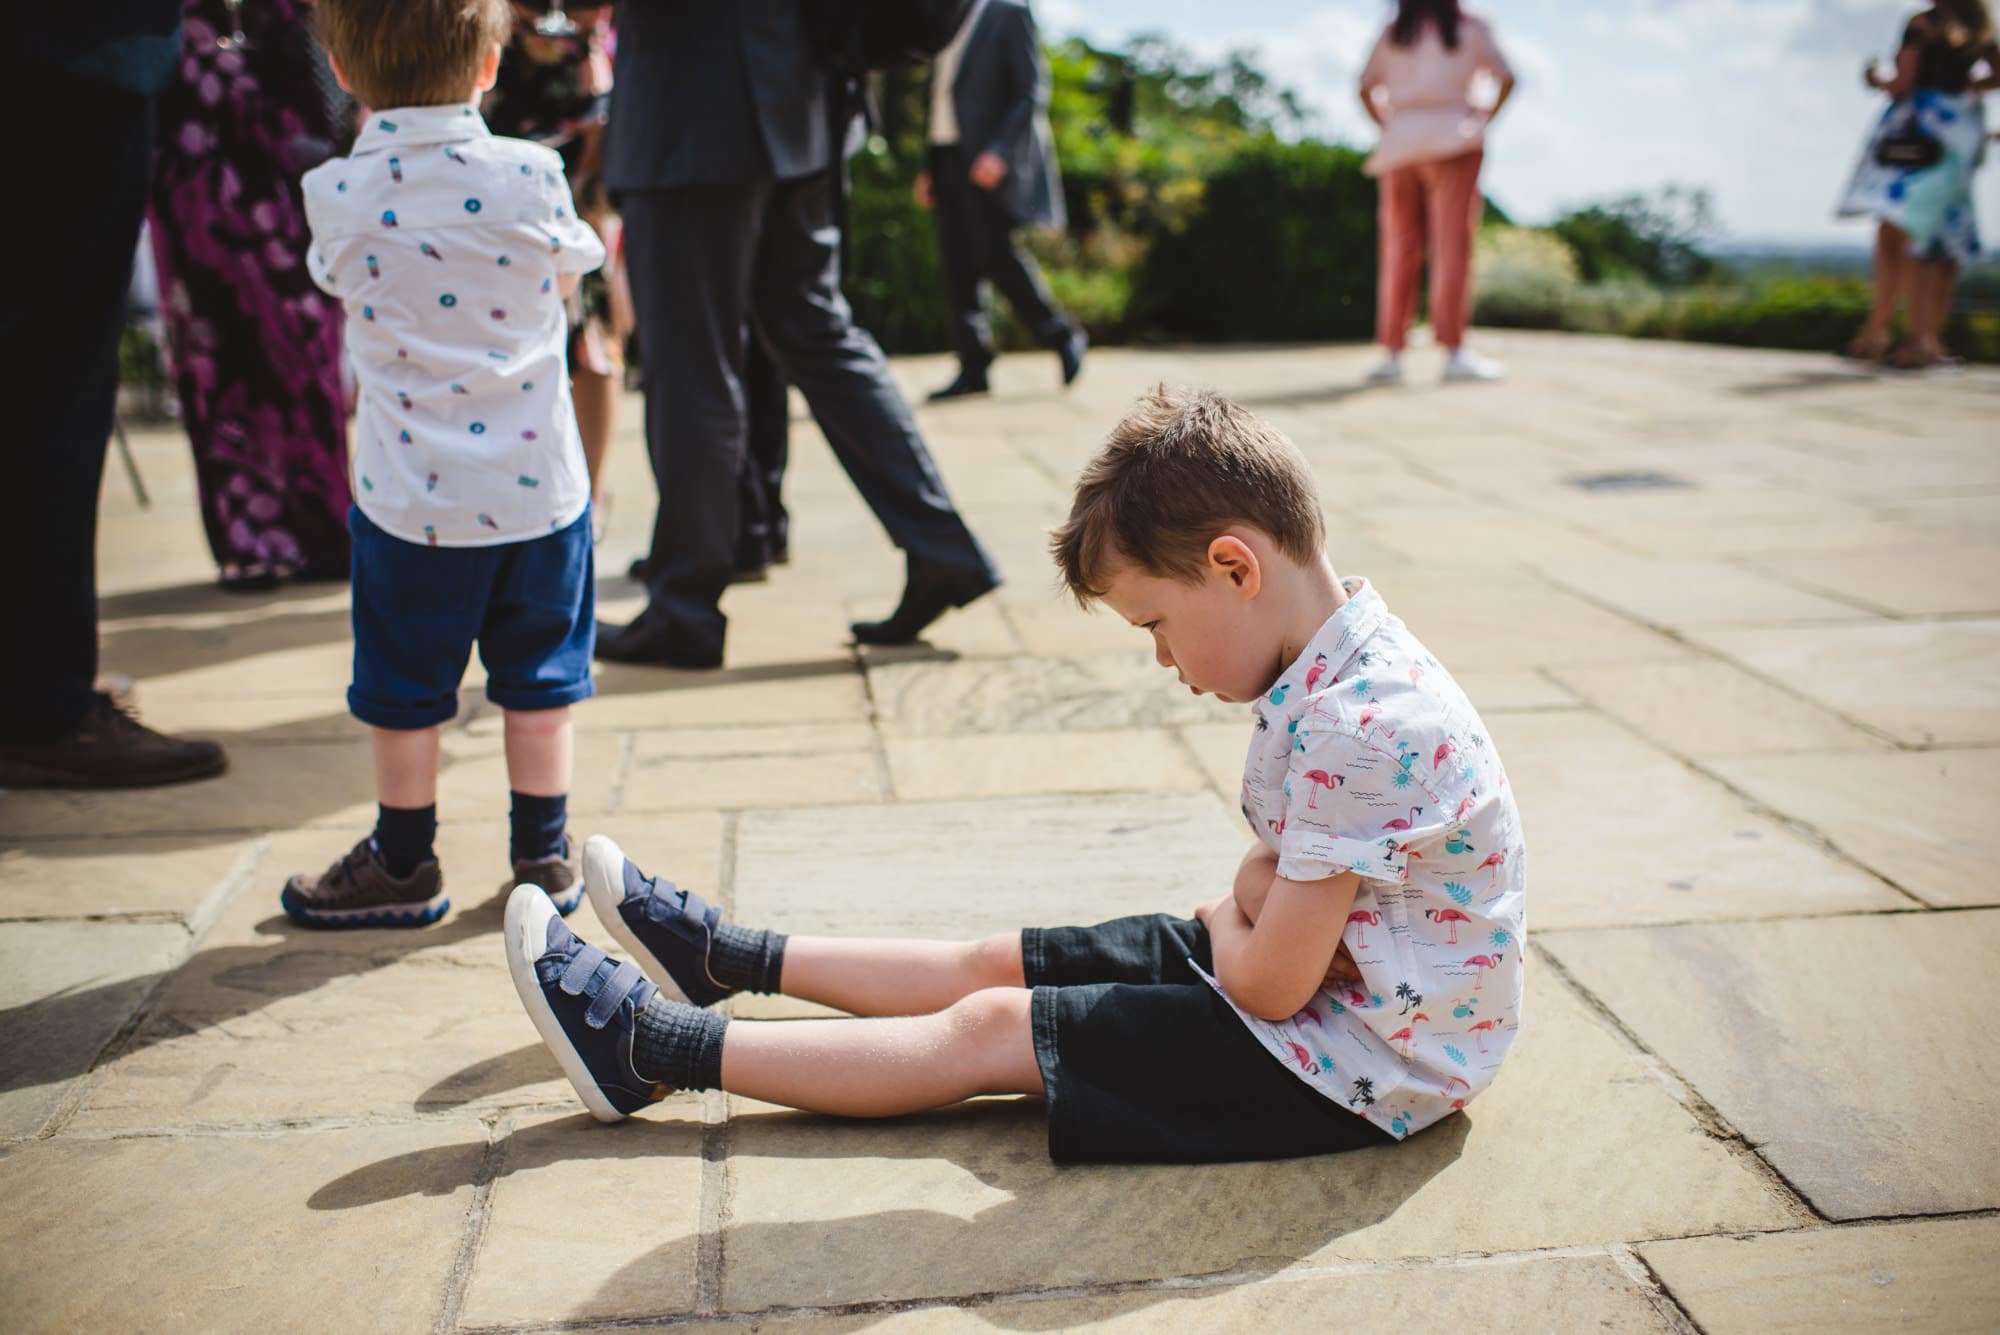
(59, 342)
(763, 526)
(705, 260)
(976, 242)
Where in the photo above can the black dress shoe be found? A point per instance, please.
(1071, 353)
(967, 384)
(645, 643)
(639, 570)
(108, 748)
(926, 597)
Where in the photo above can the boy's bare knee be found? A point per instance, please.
(996, 960)
(537, 722)
(991, 1009)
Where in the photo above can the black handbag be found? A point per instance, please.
(1908, 147)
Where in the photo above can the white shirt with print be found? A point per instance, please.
(447, 246)
(1367, 757)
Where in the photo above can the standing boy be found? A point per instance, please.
(453, 251)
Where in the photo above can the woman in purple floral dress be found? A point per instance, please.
(254, 346)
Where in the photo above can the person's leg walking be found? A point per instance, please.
(1400, 243)
(806, 323)
(1453, 205)
(689, 254)
(764, 528)
(958, 257)
(1892, 265)
(1930, 284)
(1015, 273)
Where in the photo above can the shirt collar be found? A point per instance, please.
(1337, 641)
(420, 125)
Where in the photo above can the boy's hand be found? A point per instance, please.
(1343, 969)
(922, 191)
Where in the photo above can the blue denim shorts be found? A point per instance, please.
(530, 606)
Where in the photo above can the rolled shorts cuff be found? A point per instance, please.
(529, 698)
(401, 718)
(1048, 1057)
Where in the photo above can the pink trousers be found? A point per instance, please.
(1440, 200)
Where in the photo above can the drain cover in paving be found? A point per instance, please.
(1627, 482)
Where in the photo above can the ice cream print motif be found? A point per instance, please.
(1399, 783)
(437, 237)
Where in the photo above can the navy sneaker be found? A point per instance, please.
(667, 929)
(584, 1004)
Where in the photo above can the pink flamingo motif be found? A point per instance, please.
(1367, 918)
(1416, 675)
(1319, 779)
(1482, 1029)
(1408, 1033)
(1456, 1082)
(1450, 748)
(1482, 963)
(1315, 672)
(1405, 822)
(1463, 807)
(1369, 713)
(1304, 1058)
(1451, 918)
(1493, 860)
(1356, 998)
(1309, 1014)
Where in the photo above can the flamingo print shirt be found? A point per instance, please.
(1367, 757)
(446, 244)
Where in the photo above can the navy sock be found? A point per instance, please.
(746, 958)
(538, 824)
(404, 837)
(678, 1044)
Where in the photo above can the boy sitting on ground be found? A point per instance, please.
(1385, 831)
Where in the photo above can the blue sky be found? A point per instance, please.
(1759, 100)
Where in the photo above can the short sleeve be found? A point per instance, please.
(577, 248)
(1338, 811)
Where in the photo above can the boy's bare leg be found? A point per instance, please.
(865, 976)
(540, 751)
(982, 1044)
(406, 766)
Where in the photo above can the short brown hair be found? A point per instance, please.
(412, 53)
(1184, 465)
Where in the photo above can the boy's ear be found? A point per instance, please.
(489, 68)
(339, 75)
(1233, 559)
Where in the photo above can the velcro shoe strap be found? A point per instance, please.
(614, 990)
(582, 965)
(693, 920)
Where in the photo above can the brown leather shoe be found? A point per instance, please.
(560, 877)
(358, 891)
(109, 749)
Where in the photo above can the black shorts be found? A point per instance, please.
(1144, 1062)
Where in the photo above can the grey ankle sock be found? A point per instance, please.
(678, 1044)
(746, 958)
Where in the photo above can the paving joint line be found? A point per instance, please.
(628, 747)
(1682, 1090)
(478, 1215)
(1658, 1295)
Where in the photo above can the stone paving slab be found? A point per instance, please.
(964, 869)
(1020, 764)
(1933, 582)
(1847, 1050)
(1922, 683)
(1923, 820)
(590, 1222)
(1933, 1276)
(65, 989)
(966, 1201)
(1705, 708)
(231, 1232)
(163, 875)
(1698, 593)
(1557, 1293)
(270, 1022)
(662, 782)
(952, 699)
(1622, 833)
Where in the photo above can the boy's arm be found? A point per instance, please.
(1272, 967)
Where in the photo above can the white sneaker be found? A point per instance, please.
(1463, 365)
(1388, 371)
